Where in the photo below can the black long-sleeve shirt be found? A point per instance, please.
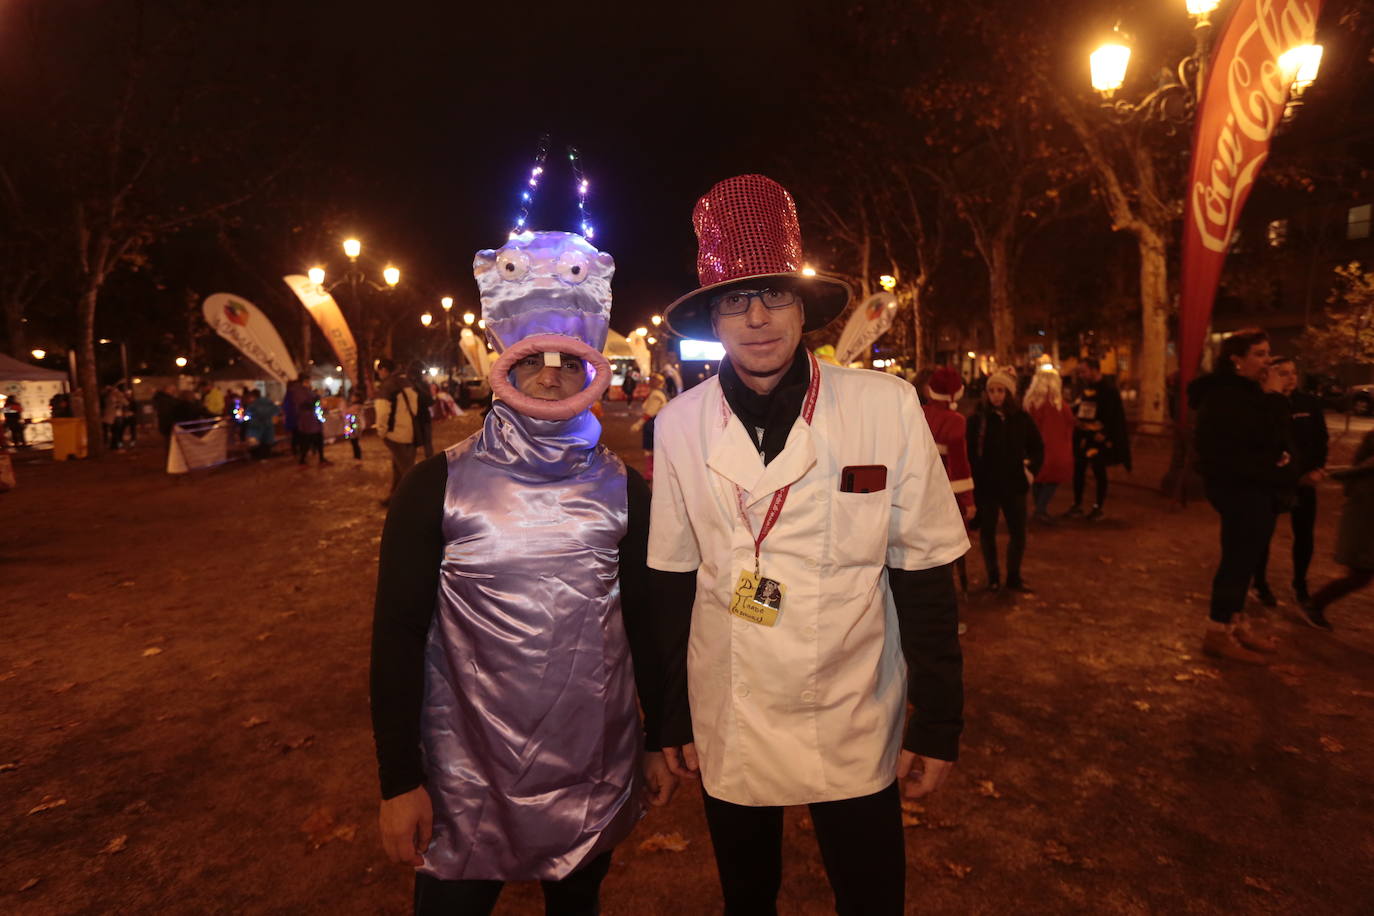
(407, 586)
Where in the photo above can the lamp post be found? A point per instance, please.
(355, 278)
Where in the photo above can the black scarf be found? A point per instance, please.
(775, 412)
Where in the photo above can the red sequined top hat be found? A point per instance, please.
(747, 232)
(945, 384)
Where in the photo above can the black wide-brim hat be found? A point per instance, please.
(748, 236)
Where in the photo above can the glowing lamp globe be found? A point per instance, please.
(657, 320)
(469, 318)
(1201, 7)
(352, 247)
(39, 354)
(1109, 67)
(392, 275)
(446, 302)
(316, 275)
(1301, 64)
(887, 282)
(181, 362)
(426, 319)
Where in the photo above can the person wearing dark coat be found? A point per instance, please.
(1006, 453)
(1247, 464)
(1100, 438)
(1355, 538)
(1302, 417)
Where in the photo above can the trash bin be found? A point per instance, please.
(68, 438)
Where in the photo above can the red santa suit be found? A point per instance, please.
(947, 425)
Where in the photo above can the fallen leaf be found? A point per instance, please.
(29, 884)
(6, 767)
(1183, 677)
(996, 749)
(1209, 673)
(987, 789)
(47, 804)
(1331, 745)
(346, 833)
(152, 650)
(670, 842)
(8, 675)
(262, 637)
(1367, 694)
(1056, 851)
(1163, 860)
(77, 596)
(253, 722)
(61, 725)
(289, 746)
(1290, 749)
(1290, 670)
(910, 820)
(956, 870)
(127, 583)
(63, 688)
(214, 675)
(1141, 705)
(115, 845)
(319, 827)
(1259, 884)
(286, 615)
(1105, 559)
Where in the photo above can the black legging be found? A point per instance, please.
(862, 846)
(1304, 523)
(1247, 524)
(310, 442)
(576, 895)
(1013, 508)
(1080, 477)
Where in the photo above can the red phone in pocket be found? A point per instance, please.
(863, 478)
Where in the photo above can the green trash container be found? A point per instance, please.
(68, 438)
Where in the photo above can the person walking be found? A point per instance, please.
(1100, 438)
(396, 405)
(14, 421)
(802, 537)
(630, 384)
(297, 392)
(1276, 387)
(511, 603)
(112, 416)
(1055, 421)
(259, 423)
(310, 426)
(1005, 452)
(943, 387)
(1245, 462)
(424, 410)
(653, 403)
(1354, 539)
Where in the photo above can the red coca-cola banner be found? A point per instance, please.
(1241, 107)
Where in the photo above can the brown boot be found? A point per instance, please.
(1249, 636)
(1221, 644)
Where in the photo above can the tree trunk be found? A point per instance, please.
(14, 329)
(90, 378)
(1154, 322)
(1000, 311)
(306, 322)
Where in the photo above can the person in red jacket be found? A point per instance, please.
(1055, 420)
(940, 401)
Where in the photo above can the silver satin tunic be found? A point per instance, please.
(530, 732)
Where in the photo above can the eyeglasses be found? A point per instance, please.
(736, 301)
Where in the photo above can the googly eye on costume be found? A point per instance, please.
(512, 264)
(573, 267)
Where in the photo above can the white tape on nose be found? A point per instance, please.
(553, 360)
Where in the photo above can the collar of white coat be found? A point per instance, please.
(735, 456)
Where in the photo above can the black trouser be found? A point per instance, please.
(1013, 508)
(310, 442)
(579, 894)
(1353, 580)
(1304, 519)
(1080, 476)
(862, 846)
(1247, 524)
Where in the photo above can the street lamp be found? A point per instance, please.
(352, 248)
(447, 303)
(316, 275)
(642, 332)
(426, 319)
(651, 341)
(1108, 65)
(181, 362)
(469, 318)
(39, 353)
(887, 282)
(1300, 65)
(657, 320)
(392, 275)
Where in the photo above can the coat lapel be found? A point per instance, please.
(735, 457)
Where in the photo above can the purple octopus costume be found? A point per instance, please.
(530, 732)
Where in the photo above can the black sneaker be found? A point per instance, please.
(1266, 595)
(1076, 511)
(1096, 514)
(1315, 616)
(1020, 587)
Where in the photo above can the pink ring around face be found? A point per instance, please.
(539, 408)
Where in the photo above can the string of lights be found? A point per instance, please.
(580, 181)
(527, 193)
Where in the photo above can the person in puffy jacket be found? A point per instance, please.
(1005, 451)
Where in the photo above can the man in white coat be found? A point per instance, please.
(804, 531)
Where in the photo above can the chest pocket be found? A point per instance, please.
(858, 528)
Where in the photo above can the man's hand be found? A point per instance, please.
(406, 822)
(1285, 459)
(658, 778)
(932, 775)
(682, 761)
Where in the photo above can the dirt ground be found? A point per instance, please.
(184, 724)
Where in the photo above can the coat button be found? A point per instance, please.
(807, 696)
(820, 496)
(810, 632)
(812, 563)
(741, 690)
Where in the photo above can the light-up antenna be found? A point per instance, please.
(580, 181)
(528, 191)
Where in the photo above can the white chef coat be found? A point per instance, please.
(812, 709)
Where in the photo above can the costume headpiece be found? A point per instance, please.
(945, 384)
(747, 233)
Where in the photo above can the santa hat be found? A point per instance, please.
(945, 384)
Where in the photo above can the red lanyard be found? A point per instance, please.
(770, 518)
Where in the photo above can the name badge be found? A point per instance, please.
(757, 599)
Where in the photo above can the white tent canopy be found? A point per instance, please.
(33, 387)
(12, 370)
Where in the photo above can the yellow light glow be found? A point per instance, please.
(469, 318)
(426, 319)
(972, 355)
(392, 276)
(316, 275)
(887, 282)
(181, 362)
(1109, 66)
(1201, 7)
(808, 271)
(446, 302)
(1301, 64)
(137, 380)
(482, 323)
(651, 341)
(656, 320)
(338, 368)
(352, 247)
(39, 353)
(642, 332)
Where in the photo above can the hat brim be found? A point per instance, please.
(825, 298)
